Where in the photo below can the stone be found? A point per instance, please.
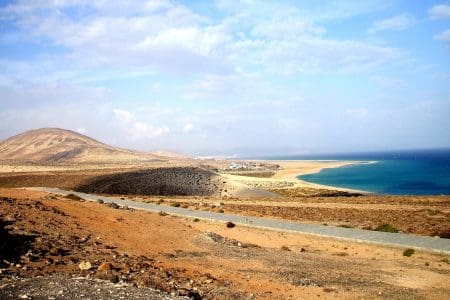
(215, 237)
(113, 278)
(54, 251)
(230, 224)
(85, 265)
(194, 295)
(113, 205)
(105, 266)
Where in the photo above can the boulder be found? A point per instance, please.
(85, 265)
(105, 266)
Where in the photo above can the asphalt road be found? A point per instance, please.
(401, 240)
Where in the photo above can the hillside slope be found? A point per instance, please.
(54, 145)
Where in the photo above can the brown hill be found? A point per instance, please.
(54, 145)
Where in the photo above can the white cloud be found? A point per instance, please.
(81, 130)
(325, 55)
(123, 115)
(233, 57)
(441, 11)
(443, 36)
(215, 87)
(15, 93)
(135, 129)
(25, 106)
(119, 37)
(140, 130)
(396, 23)
(168, 38)
(287, 27)
(324, 10)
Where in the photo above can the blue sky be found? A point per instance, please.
(230, 77)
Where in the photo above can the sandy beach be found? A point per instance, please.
(286, 176)
(290, 169)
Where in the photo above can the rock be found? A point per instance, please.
(105, 266)
(230, 224)
(85, 239)
(329, 289)
(74, 260)
(113, 205)
(194, 295)
(215, 237)
(285, 248)
(85, 265)
(100, 201)
(113, 278)
(49, 261)
(55, 251)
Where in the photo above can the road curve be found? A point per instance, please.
(401, 240)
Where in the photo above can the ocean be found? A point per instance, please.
(425, 172)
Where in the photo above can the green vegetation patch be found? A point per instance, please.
(408, 252)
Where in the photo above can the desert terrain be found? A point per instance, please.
(51, 236)
(60, 238)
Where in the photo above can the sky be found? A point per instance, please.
(230, 77)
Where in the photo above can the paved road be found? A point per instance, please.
(349, 234)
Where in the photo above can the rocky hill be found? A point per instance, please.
(54, 145)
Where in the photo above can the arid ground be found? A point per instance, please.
(53, 235)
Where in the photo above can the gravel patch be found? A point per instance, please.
(67, 287)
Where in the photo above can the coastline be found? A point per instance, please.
(286, 176)
(291, 169)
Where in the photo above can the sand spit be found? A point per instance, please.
(286, 175)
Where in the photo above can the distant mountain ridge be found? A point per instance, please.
(55, 145)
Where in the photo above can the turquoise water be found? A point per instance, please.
(397, 173)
